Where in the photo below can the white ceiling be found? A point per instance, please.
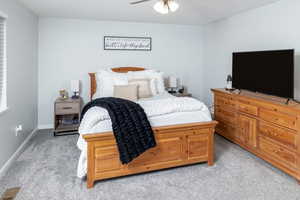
(190, 11)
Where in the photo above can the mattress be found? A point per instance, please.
(176, 118)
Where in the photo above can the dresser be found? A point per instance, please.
(261, 124)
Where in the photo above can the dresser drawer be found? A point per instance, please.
(281, 119)
(67, 108)
(283, 136)
(225, 102)
(249, 109)
(225, 116)
(289, 158)
(226, 129)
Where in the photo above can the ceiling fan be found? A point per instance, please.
(162, 6)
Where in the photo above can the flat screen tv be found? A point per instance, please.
(269, 72)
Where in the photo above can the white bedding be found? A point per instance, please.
(162, 110)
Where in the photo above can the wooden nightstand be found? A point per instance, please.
(67, 116)
(182, 95)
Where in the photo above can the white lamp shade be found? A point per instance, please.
(75, 85)
(172, 82)
(161, 7)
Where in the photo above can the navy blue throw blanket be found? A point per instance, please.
(132, 130)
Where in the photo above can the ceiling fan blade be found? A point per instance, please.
(137, 2)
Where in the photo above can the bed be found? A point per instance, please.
(182, 139)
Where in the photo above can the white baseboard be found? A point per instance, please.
(9, 163)
(45, 126)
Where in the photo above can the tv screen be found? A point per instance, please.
(269, 72)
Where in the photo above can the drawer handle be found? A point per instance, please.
(67, 108)
(277, 151)
(273, 133)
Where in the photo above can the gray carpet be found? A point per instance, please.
(47, 170)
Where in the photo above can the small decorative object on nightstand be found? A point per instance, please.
(63, 94)
(67, 116)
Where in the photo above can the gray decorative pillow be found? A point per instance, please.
(129, 92)
(144, 89)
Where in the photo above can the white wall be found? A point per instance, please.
(22, 38)
(275, 26)
(69, 49)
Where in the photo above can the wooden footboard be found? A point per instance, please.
(176, 146)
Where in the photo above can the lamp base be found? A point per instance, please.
(172, 90)
(76, 95)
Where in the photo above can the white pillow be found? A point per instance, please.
(106, 80)
(157, 86)
(160, 82)
(129, 92)
(144, 89)
(153, 87)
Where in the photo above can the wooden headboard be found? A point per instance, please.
(93, 81)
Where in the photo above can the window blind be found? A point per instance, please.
(2, 64)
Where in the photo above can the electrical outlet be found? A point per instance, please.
(18, 129)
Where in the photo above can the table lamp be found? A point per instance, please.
(172, 84)
(75, 88)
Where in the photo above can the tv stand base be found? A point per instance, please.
(289, 100)
(233, 90)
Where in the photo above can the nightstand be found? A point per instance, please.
(182, 95)
(67, 116)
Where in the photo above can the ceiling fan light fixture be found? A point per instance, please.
(173, 5)
(161, 7)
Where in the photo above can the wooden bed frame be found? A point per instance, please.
(177, 145)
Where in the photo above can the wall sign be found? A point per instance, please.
(127, 43)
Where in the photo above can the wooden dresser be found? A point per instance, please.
(262, 125)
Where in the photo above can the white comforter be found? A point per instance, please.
(97, 119)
